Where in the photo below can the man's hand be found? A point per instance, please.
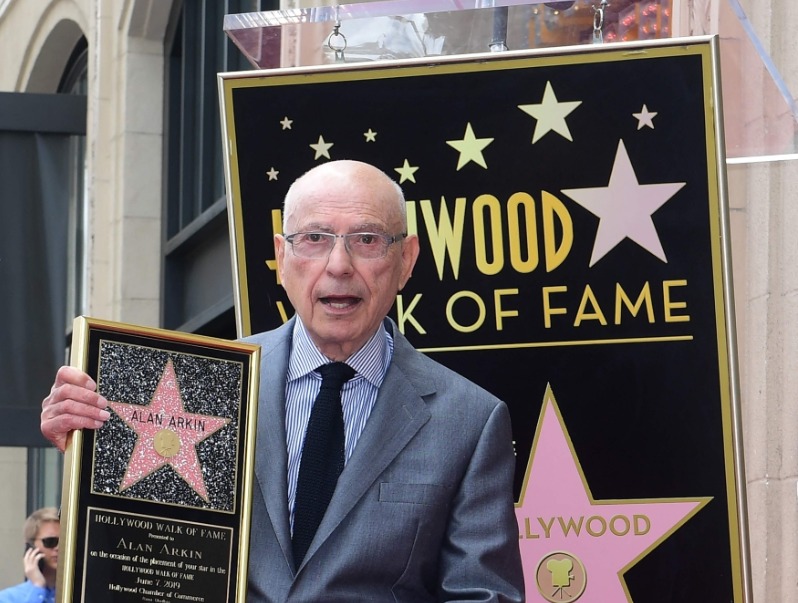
(31, 563)
(72, 404)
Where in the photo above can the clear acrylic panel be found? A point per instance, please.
(760, 114)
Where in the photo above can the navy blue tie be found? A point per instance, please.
(322, 457)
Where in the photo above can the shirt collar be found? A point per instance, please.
(370, 361)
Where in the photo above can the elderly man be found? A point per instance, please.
(422, 509)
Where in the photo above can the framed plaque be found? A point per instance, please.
(156, 504)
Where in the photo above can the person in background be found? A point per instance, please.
(422, 510)
(40, 561)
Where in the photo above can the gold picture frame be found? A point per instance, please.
(157, 502)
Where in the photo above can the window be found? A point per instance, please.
(198, 289)
(199, 50)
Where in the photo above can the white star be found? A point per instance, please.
(645, 118)
(406, 172)
(550, 114)
(272, 174)
(286, 123)
(624, 208)
(322, 148)
(470, 148)
(371, 135)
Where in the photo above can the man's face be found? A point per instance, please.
(341, 299)
(48, 529)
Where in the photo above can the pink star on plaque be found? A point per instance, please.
(166, 435)
(576, 548)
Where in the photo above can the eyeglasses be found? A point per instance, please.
(362, 245)
(50, 542)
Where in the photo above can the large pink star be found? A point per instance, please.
(573, 547)
(625, 208)
(166, 434)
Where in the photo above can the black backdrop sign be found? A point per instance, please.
(572, 226)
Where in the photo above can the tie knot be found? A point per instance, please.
(335, 374)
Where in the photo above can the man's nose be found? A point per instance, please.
(339, 250)
(339, 258)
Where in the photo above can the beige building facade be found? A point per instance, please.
(127, 159)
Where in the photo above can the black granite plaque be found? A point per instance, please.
(156, 503)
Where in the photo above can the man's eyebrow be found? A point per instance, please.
(364, 227)
(370, 227)
(315, 227)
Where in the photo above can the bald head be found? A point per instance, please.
(342, 296)
(314, 183)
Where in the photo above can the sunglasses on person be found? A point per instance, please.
(50, 542)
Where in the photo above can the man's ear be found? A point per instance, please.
(279, 250)
(410, 250)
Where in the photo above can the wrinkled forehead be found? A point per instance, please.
(363, 196)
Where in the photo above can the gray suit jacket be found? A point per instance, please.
(423, 510)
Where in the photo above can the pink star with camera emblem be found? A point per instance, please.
(572, 546)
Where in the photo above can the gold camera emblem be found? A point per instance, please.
(561, 577)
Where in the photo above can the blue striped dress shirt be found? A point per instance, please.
(357, 396)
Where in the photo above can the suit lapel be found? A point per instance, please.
(271, 456)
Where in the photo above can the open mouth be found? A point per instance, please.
(340, 303)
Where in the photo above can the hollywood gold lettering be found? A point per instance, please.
(591, 526)
(501, 313)
(481, 312)
(671, 305)
(642, 524)
(445, 237)
(517, 204)
(481, 309)
(552, 207)
(548, 309)
(569, 525)
(482, 241)
(405, 315)
(277, 228)
(559, 301)
(545, 524)
(519, 226)
(522, 233)
(594, 526)
(445, 232)
(593, 313)
(622, 300)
